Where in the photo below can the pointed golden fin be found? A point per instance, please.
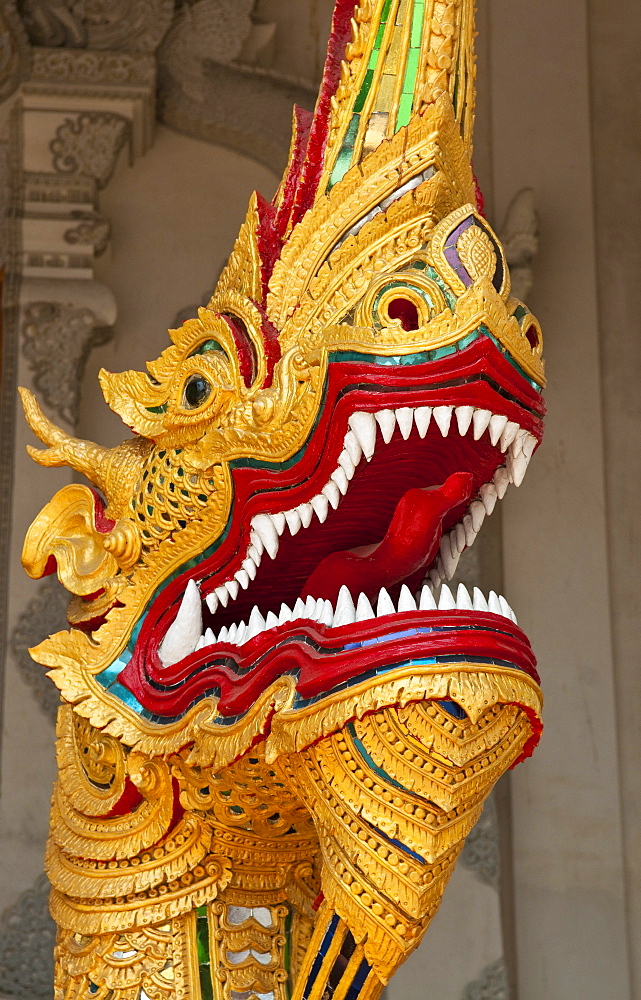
(404, 54)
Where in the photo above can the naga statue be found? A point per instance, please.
(278, 721)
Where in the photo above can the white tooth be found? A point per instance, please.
(446, 601)
(489, 496)
(212, 603)
(481, 421)
(470, 533)
(321, 505)
(460, 536)
(464, 416)
(405, 420)
(435, 576)
(345, 613)
(516, 446)
(339, 476)
(528, 445)
(422, 417)
(501, 481)
(223, 595)
(364, 610)
(201, 642)
(266, 531)
(253, 552)
(279, 522)
(250, 567)
(306, 512)
(210, 638)
(406, 600)
(385, 604)
(363, 426)
(241, 635)
(271, 621)
(257, 545)
(387, 422)
(352, 447)
(479, 603)
(519, 468)
(493, 604)
(330, 490)
(450, 559)
(346, 463)
(255, 625)
(222, 635)
(233, 633)
(243, 578)
(326, 615)
(443, 417)
(427, 602)
(508, 435)
(497, 426)
(310, 608)
(477, 513)
(299, 609)
(506, 610)
(232, 589)
(285, 614)
(463, 599)
(294, 522)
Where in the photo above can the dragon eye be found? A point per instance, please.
(197, 390)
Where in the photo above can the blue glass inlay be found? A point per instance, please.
(322, 951)
(362, 973)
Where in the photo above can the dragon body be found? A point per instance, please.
(278, 723)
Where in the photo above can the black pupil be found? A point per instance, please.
(197, 390)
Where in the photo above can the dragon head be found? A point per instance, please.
(316, 449)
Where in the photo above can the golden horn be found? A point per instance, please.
(92, 460)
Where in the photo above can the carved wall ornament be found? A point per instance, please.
(133, 25)
(520, 238)
(27, 939)
(89, 144)
(91, 229)
(57, 339)
(92, 66)
(45, 612)
(481, 852)
(279, 724)
(492, 984)
(14, 50)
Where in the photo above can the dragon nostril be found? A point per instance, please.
(532, 335)
(405, 311)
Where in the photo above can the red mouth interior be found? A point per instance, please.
(320, 558)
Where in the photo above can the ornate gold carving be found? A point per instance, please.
(302, 845)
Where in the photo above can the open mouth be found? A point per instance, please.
(400, 507)
(350, 560)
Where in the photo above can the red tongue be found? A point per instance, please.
(410, 544)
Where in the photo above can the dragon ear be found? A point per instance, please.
(139, 402)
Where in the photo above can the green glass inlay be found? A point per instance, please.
(386, 10)
(202, 938)
(404, 110)
(208, 345)
(157, 409)
(344, 158)
(364, 91)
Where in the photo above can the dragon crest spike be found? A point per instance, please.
(277, 734)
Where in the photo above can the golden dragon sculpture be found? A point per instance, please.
(279, 723)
